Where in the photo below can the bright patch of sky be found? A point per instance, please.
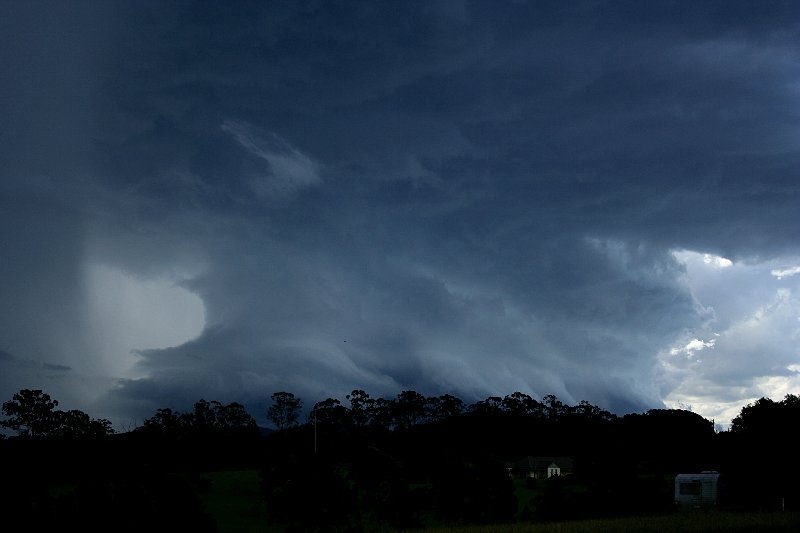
(781, 273)
(717, 261)
(692, 347)
(753, 307)
(128, 314)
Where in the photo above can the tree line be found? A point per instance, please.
(33, 413)
(410, 408)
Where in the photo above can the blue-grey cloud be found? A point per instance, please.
(454, 196)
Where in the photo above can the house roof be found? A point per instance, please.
(702, 476)
(531, 462)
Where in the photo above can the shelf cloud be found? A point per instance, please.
(588, 200)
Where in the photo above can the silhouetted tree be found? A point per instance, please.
(409, 409)
(381, 413)
(766, 415)
(285, 409)
(205, 417)
(491, 405)
(77, 424)
(165, 421)
(444, 407)
(233, 417)
(360, 404)
(520, 404)
(586, 409)
(765, 429)
(30, 413)
(330, 412)
(554, 407)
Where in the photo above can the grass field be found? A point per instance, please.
(700, 522)
(234, 500)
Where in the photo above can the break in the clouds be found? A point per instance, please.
(592, 200)
(747, 347)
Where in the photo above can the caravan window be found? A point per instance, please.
(693, 488)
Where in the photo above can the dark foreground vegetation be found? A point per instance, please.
(406, 463)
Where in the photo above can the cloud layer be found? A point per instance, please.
(596, 201)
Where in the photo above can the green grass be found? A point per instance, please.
(700, 522)
(235, 501)
(525, 494)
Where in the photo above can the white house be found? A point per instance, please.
(540, 467)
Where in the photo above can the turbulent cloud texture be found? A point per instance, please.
(594, 200)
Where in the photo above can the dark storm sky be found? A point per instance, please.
(598, 200)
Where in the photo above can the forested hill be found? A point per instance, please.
(404, 462)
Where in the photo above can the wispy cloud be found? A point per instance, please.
(288, 169)
(717, 261)
(781, 273)
(692, 347)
